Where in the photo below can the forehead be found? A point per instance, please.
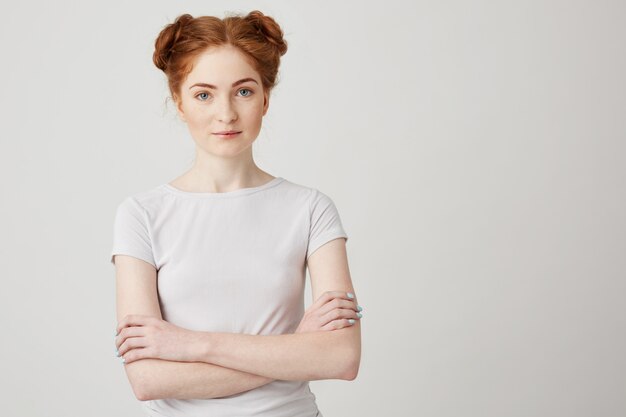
(221, 66)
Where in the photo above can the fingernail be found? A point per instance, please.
(359, 315)
(350, 295)
(359, 308)
(123, 360)
(117, 352)
(351, 321)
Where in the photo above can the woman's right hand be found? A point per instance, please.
(331, 311)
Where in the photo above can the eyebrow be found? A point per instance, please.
(235, 84)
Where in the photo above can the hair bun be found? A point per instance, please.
(267, 27)
(167, 39)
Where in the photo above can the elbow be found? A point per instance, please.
(139, 380)
(351, 354)
(141, 394)
(141, 391)
(352, 370)
(351, 373)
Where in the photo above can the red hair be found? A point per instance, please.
(256, 35)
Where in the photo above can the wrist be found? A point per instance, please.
(202, 346)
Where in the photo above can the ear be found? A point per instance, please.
(179, 108)
(266, 102)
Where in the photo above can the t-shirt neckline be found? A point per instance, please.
(242, 191)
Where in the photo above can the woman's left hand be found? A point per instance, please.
(141, 337)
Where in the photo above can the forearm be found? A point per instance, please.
(157, 378)
(306, 356)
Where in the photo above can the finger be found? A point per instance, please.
(329, 295)
(127, 332)
(339, 313)
(336, 303)
(133, 320)
(134, 355)
(132, 343)
(339, 324)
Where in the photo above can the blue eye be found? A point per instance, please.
(250, 92)
(197, 95)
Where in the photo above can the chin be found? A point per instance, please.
(227, 151)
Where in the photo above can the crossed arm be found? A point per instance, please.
(156, 378)
(234, 363)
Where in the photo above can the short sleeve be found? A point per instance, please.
(325, 222)
(131, 235)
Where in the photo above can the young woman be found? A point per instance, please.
(223, 331)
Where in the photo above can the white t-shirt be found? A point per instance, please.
(231, 262)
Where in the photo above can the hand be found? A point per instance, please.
(141, 337)
(329, 312)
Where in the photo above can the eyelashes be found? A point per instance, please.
(207, 94)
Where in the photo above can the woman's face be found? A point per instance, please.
(223, 92)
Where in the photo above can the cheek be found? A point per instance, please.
(252, 114)
(199, 120)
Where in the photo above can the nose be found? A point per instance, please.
(226, 112)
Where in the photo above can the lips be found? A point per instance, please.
(228, 134)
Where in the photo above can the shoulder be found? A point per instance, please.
(146, 201)
(324, 219)
(312, 196)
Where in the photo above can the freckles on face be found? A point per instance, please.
(222, 76)
(241, 109)
(223, 92)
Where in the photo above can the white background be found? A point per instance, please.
(475, 150)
